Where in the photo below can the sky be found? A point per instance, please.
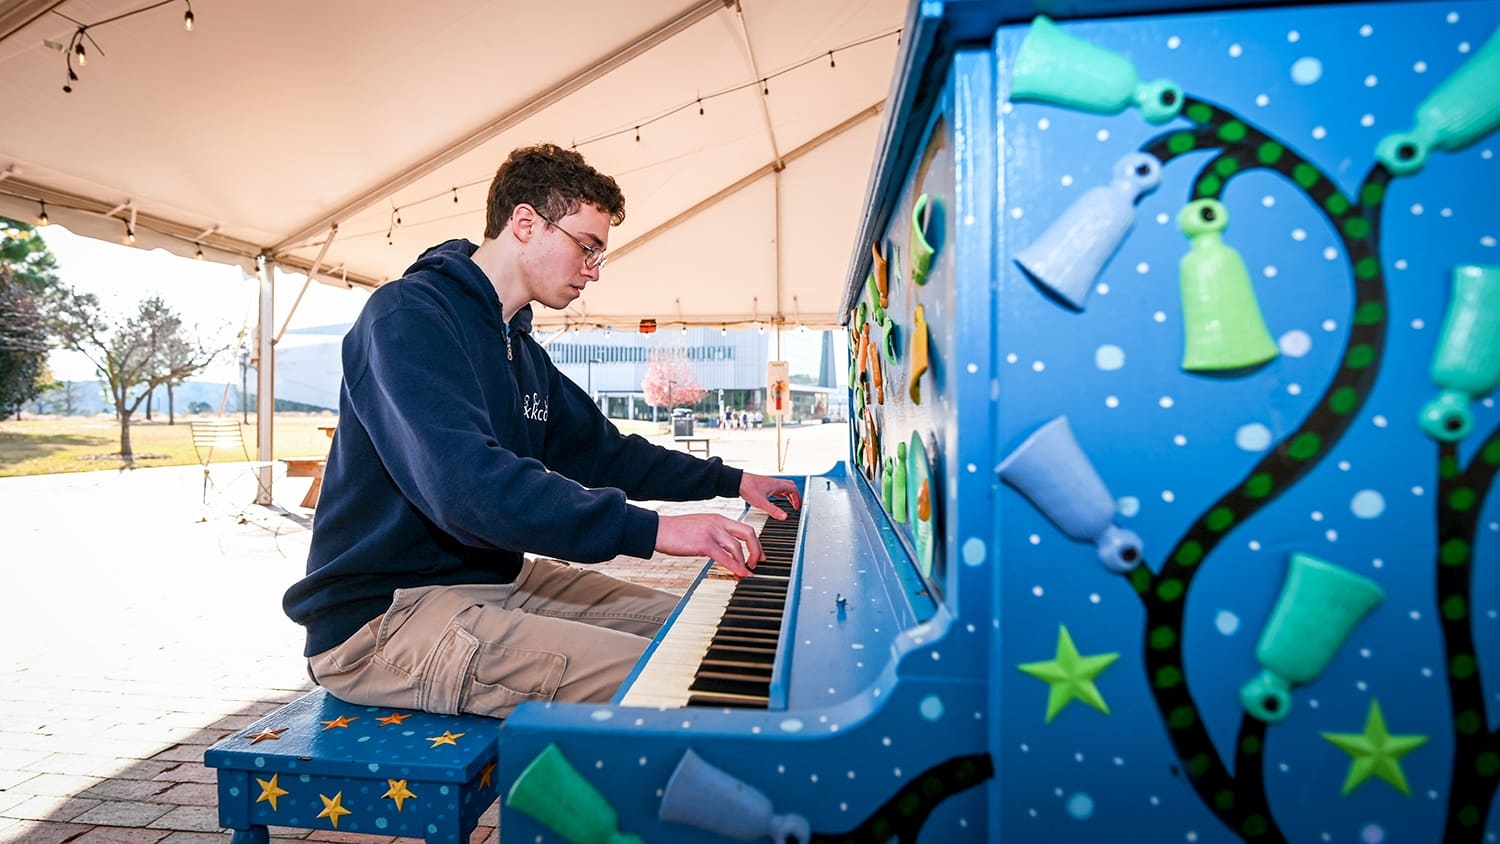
(222, 300)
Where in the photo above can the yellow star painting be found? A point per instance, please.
(333, 808)
(398, 792)
(1376, 752)
(1071, 675)
(270, 790)
(448, 737)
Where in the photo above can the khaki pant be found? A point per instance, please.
(556, 633)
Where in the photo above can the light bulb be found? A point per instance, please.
(83, 55)
(199, 254)
(187, 18)
(42, 219)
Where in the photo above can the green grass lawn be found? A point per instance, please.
(50, 445)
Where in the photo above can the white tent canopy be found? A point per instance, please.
(345, 137)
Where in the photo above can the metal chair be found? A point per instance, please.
(219, 441)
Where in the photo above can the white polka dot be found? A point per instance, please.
(1109, 358)
(1270, 272)
(1330, 254)
(1294, 389)
(1174, 42)
(1367, 504)
(1418, 324)
(1159, 316)
(1330, 325)
(1111, 402)
(1168, 496)
(1262, 100)
(1016, 213)
(1367, 120)
(1128, 506)
(1102, 135)
(1463, 47)
(1293, 37)
(1235, 51)
(1179, 440)
(1295, 343)
(1420, 67)
(1371, 81)
(1165, 401)
(1306, 71)
(1038, 366)
(1143, 268)
(1319, 133)
(1417, 209)
(1066, 180)
(1162, 218)
(1364, 31)
(1043, 124)
(1268, 201)
(1253, 437)
(1299, 234)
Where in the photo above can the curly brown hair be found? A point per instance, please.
(552, 180)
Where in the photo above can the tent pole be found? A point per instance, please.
(265, 377)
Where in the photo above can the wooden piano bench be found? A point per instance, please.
(322, 764)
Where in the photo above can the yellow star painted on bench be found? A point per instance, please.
(264, 735)
(484, 775)
(1071, 675)
(1375, 752)
(398, 792)
(333, 808)
(393, 718)
(448, 737)
(270, 790)
(341, 721)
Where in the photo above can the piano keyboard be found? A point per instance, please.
(720, 649)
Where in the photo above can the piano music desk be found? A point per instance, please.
(692, 444)
(323, 764)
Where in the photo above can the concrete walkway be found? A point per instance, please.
(133, 635)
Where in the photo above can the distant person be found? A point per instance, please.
(461, 448)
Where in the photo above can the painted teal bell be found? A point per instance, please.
(701, 795)
(1055, 67)
(1462, 109)
(1054, 474)
(1319, 606)
(1069, 255)
(1221, 322)
(1466, 365)
(557, 796)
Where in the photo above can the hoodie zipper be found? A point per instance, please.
(509, 355)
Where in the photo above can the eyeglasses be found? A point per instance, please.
(592, 258)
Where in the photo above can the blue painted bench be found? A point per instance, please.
(321, 763)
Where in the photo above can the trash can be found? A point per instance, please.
(682, 426)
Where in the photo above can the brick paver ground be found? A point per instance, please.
(139, 627)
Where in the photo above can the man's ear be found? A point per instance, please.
(524, 221)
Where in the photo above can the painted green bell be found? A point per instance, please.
(1221, 321)
(1319, 606)
(1462, 109)
(559, 798)
(1055, 67)
(1466, 365)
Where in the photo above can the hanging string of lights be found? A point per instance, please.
(636, 126)
(76, 51)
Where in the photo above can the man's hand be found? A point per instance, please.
(706, 534)
(757, 490)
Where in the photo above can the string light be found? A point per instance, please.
(77, 50)
(129, 235)
(41, 219)
(199, 254)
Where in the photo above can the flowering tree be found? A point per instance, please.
(670, 381)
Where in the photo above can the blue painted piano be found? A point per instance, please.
(1169, 512)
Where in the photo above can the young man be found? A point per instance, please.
(460, 447)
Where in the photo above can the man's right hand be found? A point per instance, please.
(732, 544)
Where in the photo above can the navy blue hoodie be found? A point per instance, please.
(460, 446)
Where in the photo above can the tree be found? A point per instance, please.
(133, 355)
(670, 381)
(27, 274)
